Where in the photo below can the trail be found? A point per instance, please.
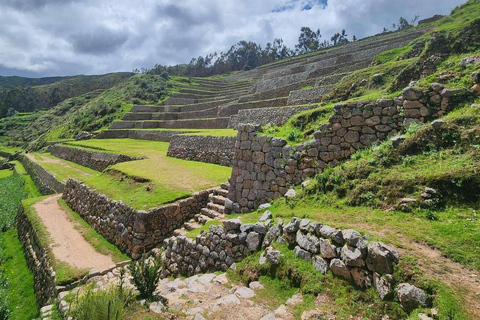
(68, 243)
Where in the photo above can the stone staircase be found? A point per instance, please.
(215, 209)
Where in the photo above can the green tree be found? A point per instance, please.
(308, 40)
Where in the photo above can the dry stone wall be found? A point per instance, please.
(46, 182)
(133, 231)
(265, 167)
(91, 159)
(37, 260)
(275, 116)
(154, 135)
(347, 253)
(217, 150)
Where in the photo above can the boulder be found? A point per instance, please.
(308, 242)
(232, 224)
(302, 254)
(351, 236)
(327, 250)
(265, 216)
(469, 61)
(447, 93)
(157, 307)
(273, 256)
(352, 257)
(383, 286)
(411, 93)
(340, 269)
(361, 277)
(292, 227)
(411, 297)
(291, 193)
(253, 241)
(326, 231)
(381, 258)
(320, 264)
(244, 293)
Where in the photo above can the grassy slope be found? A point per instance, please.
(19, 288)
(169, 178)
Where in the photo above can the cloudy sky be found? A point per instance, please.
(65, 37)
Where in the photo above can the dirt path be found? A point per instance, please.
(68, 243)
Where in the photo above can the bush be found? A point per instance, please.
(101, 304)
(146, 274)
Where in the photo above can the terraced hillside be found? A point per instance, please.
(269, 94)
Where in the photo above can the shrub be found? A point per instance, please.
(101, 304)
(145, 273)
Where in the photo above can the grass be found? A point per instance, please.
(92, 236)
(169, 180)
(5, 173)
(11, 194)
(20, 295)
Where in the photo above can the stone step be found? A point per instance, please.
(212, 93)
(209, 213)
(216, 207)
(202, 219)
(189, 226)
(201, 114)
(217, 199)
(232, 109)
(225, 186)
(221, 192)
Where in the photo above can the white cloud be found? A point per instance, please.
(53, 37)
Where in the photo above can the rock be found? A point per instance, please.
(294, 300)
(447, 93)
(292, 226)
(381, 258)
(263, 259)
(337, 237)
(196, 287)
(84, 135)
(327, 250)
(326, 231)
(437, 87)
(264, 206)
(232, 224)
(265, 216)
(303, 225)
(269, 316)
(320, 264)
(253, 241)
(411, 93)
(231, 299)
(198, 316)
(476, 77)
(352, 257)
(423, 316)
(312, 314)
(273, 256)
(306, 183)
(340, 269)
(351, 236)
(476, 89)
(244, 293)
(255, 285)
(194, 311)
(361, 277)
(206, 278)
(260, 228)
(437, 124)
(411, 297)
(383, 286)
(157, 307)
(469, 61)
(291, 193)
(302, 254)
(282, 311)
(397, 141)
(308, 242)
(221, 279)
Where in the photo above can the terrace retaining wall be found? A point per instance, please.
(154, 135)
(37, 260)
(265, 167)
(218, 150)
(91, 159)
(273, 116)
(346, 253)
(46, 182)
(133, 231)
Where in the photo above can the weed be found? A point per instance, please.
(145, 273)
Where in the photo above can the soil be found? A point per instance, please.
(68, 244)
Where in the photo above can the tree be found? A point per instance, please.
(308, 40)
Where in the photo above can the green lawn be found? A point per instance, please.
(143, 184)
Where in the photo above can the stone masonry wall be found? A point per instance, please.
(154, 135)
(263, 116)
(133, 231)
(218, 150)
(346, 253)
(46, 182)
(43, 275)
(265, 167)
(91, 159)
